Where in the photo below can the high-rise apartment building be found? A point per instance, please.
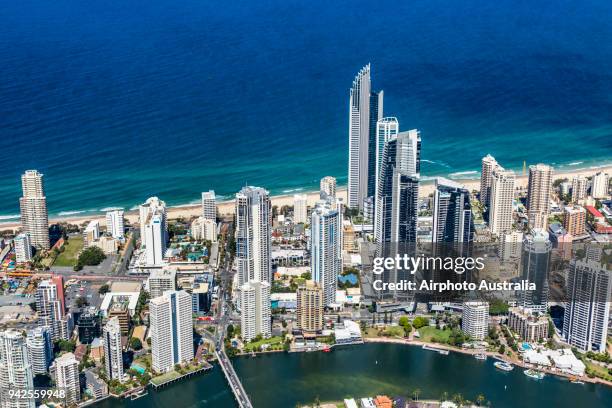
(452, 213)
(33, 203)
(325, 249)
(204, 229)
(501, 198)
(171, 330)
(91, 233)
(535, 262)
(538, 195)
(160, 281)
(300, 209)
(579, 188)
(489, 165)
(366, 108)
(253, 235)
(209, 205)
(66, 368)
(255, 313)
(115, 224)
(600, 185)
(475, 319)
(585, 322)
(386, 130)
(574, 220)
(40, 349)
(113, 352)
(310, 307)
(23, 248)
(49, 307)
(15, 370)
(327, 188)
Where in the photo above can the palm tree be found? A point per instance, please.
(415, 394)
(444, 396)
(480, 399)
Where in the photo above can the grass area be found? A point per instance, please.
(169, 376)
(72, 247)
(597, 370)
(394, 331)
(428, 333)
(277, 340)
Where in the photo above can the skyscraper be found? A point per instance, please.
(154, 239)
(579, 188)
(489, 165)
(49, 307)
(587, 310)
(535, 262)
(538, 195)
(501, 198)
(33, 203)
(255, 313)
(171, 330)
(300, 208)
(153, 206)
(204, 229)
(113, 354)
(325, 249)
(209, 205)
(396, 207)
(365, 109)
(15, 370)
(40, 349)
(253, 235)
(327, 188)
(23, 248)
(115, 223)
(160, 281)
(600, 183)
(452, 213)
(310, 307)
(574, 220)
(475, 319)
(66, 368)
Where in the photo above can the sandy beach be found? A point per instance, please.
(227, 207)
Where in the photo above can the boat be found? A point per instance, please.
(441, 351)
(502, 365)
(480, 356)
(326, 349)
(534, 374)
(576, 381)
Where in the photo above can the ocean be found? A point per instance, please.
(115, 101)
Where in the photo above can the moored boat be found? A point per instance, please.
(502, 365)
(537, 375)
(480, 356)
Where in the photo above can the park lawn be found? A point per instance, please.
(73, 247)
(597, 370)
(428, 333)
(394, 331)
(255, 345)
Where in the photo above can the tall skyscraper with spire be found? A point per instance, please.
(365, 109)
(33, 203)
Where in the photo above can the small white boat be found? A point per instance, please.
(480, 356)
(502, 365)
(537, 375)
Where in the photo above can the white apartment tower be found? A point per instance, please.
(501, 198)
(585, 322)
(327, 187)
(489, 165)
(475, 319)
(253, 235)
(33, 203)
(171, 330)
(300, 209)
(49, 307)
(204, 229)
(325, 249)
(155, 239)
(91, 233)
(153, 206)
(255, 313)
(15, 370)
(538, 195)
(365, 109)
(113, 355)
(209, 205)
(579, 188)
(600, 183)
(40, 349)
(23, 248)
(115, 224)
(67, 377)
(386, 129)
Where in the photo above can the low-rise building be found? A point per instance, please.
(531, 327)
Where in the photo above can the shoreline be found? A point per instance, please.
(226, 207)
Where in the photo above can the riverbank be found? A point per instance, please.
(495, 355)
(226, 207)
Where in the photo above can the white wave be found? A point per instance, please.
(575, 163)
(436, 162)
(110, 209)
(134, 208)
(64, 213)
(9, 217)
(291, 190)
(463, 173)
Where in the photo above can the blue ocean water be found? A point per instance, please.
(119, 100)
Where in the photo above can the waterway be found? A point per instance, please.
(284, 380)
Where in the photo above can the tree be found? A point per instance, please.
(135, 343)
(104, 289)
(415, 394)
(91, 256)
(403, 321)
(81, 301)
(480, 399)
(66, 345)
(419, 322)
